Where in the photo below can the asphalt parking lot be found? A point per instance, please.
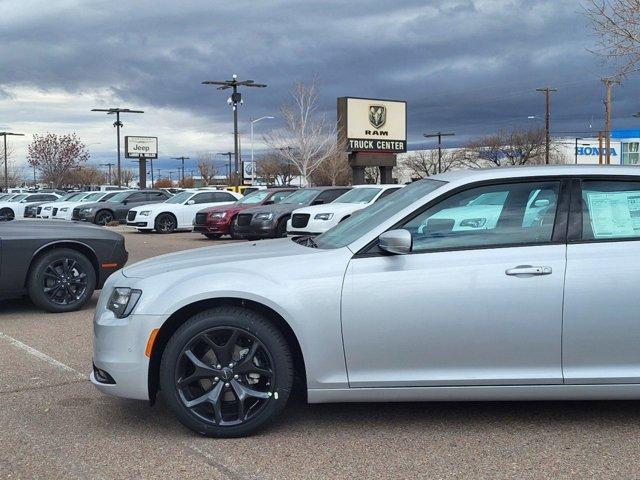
(54, 424)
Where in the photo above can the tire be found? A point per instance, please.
(212, 236)
(166, 223)
(281, 228)
(7, 214)
(232, 229)
(103, 217)
(68, 276)
(265, 394)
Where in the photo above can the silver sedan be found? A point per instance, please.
(493, 284)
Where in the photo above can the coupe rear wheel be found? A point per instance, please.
(103, 217)
(7, 214)
(166, 223)
(61, 280)
(226, 372)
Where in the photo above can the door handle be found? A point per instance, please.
(528, 270)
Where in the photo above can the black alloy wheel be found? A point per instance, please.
(103, 217)
(7, 214)
(62, 280)
(166, 223)
(226, 372)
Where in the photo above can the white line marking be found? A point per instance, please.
(42, 356)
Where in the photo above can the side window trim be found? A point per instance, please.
(559, 235)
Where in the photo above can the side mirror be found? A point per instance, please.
(543, 202)
(397, 241)
(191, 202)
(124, 202)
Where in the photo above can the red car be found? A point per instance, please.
(213, 222)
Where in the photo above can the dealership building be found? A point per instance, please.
(625, 148)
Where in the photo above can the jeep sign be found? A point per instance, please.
(372, 125)
(141, 147)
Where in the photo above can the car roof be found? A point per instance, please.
(478, 174)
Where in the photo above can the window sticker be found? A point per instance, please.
(614, 214)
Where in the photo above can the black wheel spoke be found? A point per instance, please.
(63, 281)
(202, 370)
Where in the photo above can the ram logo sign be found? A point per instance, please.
(377, 115)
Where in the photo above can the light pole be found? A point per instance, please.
(183, 158)
(253, 163)
(6, 165)
(117, 124)
(234, 100)
(439, 135)
(228, 154)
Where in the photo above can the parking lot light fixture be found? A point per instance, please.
(253, 163)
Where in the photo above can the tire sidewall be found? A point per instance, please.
(160, 217)
(100, 214)
(34, 286)
(253, 323)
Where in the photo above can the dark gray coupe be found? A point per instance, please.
(57, 264)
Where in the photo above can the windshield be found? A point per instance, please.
(370, 217)
(118, 197)
(179, 198)
(68, 196)
(93, 197)
(17, 198)
(254, 197)
(358, 195)
(302, 197)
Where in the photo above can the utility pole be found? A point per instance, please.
(253, 163)
(6, 160)
(233, 101)
(183, 158)
(600, 135)
(547, 120)
(439, 135)
(117, 124)
(108, 165)
(608, 83)
(228, 154)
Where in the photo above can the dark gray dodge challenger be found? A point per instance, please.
(57, 264)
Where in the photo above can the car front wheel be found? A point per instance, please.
(226, 372)
(61, 280)
(7, 214)
(166, 223)
(104, 217)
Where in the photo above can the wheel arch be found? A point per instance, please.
(104, 209)
(79, 247)
(166, 212)
(183, 314)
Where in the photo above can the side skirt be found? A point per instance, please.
(492, 393)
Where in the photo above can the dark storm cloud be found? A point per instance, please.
(462, 65)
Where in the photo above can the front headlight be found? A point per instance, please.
(65, 209)
(324, 216)
(264, 216)
(218, 215)
(86, 210)
(123, 300)
(145, 213)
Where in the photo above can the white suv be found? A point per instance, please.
(318, 219)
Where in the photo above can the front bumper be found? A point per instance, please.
(119, 350)
(313, 227)
(83, 216)
(219, 228)
(139, 224)
(256, 229)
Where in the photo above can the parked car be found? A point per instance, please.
(64, 210)
(58, 266)
(117, 207)
(32, 209)
(318, 219)
(214, 222)
(381, 309)
(270, 221)
(15, 206)
(45, 210)
(178, 212)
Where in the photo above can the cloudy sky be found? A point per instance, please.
(467, 66)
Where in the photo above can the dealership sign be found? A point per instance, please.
(595, 151)
(141, 147)
(372, 125)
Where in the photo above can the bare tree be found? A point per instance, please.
(334, 170)
(127, 175)
(163, 183)
(54, 156)
(206, 167)
(187, 182)
(87, 175)
(307, 139)
(506, 148)
(371, 175)
(424, 163)
(616, 23)
(274, 169)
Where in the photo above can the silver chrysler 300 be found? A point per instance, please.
(471, 285)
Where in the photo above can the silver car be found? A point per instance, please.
(398, 303)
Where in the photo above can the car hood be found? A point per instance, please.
(216, 255)
(336, 208)
(156, 207)
(277, 209)
(61, 230)
(97, 205)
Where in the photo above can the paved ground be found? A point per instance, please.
(53, 424)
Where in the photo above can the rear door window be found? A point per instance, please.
(610, 210)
